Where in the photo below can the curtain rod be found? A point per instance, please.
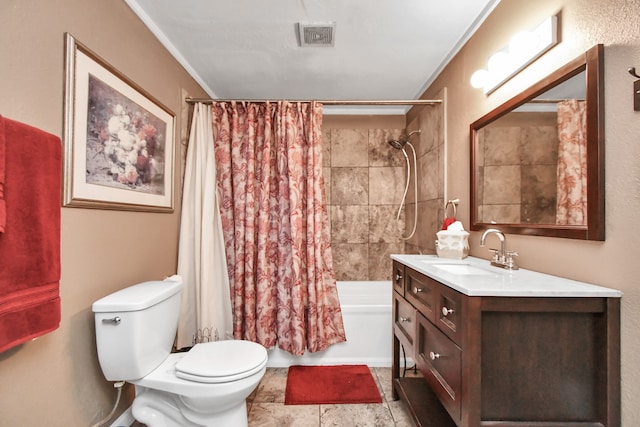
(327, 101)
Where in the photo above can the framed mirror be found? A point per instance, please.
(537, 161)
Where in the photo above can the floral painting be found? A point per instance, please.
(119, 140)
(125, 148)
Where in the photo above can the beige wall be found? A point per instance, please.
(56, 380)
(613, 262)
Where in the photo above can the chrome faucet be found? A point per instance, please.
(501, 257)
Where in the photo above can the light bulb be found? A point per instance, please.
(479, 78)
(498, 63)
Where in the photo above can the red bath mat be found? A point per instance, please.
(316, 385)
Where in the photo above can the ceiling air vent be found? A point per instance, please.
(316, 34)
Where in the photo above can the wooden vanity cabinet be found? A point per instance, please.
(506, 361)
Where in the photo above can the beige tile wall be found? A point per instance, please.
(365, 180)
(431, 154)
(519, 169)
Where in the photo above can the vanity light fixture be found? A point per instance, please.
(524, 48)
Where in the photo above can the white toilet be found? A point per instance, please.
(206, 386)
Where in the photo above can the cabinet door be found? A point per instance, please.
(440, 361)
(404, 323)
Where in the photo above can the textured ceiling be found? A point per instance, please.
(248, 49)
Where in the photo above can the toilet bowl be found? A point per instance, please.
(206, 386)
(215, 396)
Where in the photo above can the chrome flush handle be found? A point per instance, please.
(115, 321)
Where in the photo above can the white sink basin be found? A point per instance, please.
(464, 270)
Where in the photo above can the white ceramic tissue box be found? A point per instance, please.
(453, 244)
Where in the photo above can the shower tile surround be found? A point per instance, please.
(365, 177)
(430, 150)
(365, 180)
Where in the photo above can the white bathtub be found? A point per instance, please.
(366, 312)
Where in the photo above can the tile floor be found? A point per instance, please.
(266, 407)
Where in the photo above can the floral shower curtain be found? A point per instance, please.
(275, 225)
(571, 206)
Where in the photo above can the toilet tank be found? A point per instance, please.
(136, 327)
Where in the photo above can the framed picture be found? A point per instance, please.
(119, 140)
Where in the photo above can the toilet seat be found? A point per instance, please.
(221, 361)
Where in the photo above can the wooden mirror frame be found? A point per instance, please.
(592, 61)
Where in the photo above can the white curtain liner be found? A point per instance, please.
(202, 262)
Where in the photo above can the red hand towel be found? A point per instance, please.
(30, 243)
(3, 205)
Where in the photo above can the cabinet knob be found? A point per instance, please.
(417, 290)
(405, 319)
(433, 356)
(446, 311)
(398, 277)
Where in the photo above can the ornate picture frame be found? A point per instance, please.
(119, 141)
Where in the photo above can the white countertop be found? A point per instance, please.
(477, 277)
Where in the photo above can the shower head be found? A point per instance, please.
(399, 143)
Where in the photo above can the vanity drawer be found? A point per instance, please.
(450, 313)
(421, 291)
(404, 323)
(440, 362)
(397, 277)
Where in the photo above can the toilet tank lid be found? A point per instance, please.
(137, 297)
